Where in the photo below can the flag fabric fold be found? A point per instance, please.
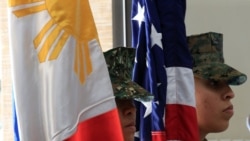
(61, 84)
(164, 67)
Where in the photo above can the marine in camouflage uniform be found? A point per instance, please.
(212, 80)
(120, 63)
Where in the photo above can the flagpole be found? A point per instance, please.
(119, 23)
(124, 22)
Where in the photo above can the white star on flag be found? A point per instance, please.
(140, 15)
(147, 62)
(155, 37)
(158, 84)
(148, 106)
(137, 134)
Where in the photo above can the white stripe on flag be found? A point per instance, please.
(180, 88)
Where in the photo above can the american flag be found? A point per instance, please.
(163, 65)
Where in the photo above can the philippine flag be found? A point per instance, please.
(62, 89)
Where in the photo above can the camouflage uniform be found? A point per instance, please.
(120, 63)
(208, 60)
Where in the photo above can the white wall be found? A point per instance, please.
(232, 18)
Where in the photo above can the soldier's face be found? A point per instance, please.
(213, 104)
(127, 114)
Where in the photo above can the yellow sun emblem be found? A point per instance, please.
(74, 17)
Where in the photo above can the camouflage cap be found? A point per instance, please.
(120, 63)
(207, 52)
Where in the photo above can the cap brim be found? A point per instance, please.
(220, 72)
(128, 89)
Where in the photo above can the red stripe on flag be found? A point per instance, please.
(180, 121)
(99, 128)
(158, 136)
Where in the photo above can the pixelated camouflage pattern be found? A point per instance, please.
(120, 63)
(208, 60)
